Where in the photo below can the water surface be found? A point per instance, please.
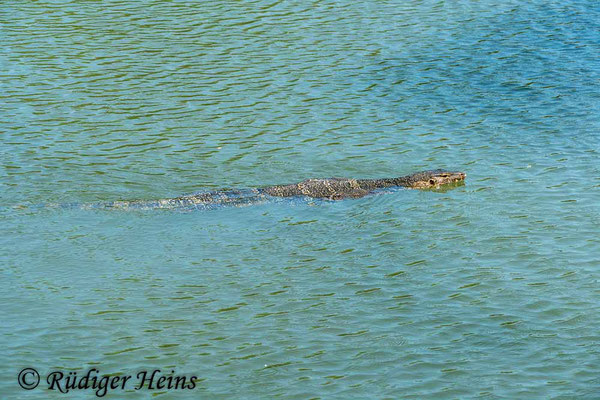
(489, 290)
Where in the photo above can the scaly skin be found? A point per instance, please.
(340, 188)
(332, 189)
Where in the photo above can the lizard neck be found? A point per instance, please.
(386, 182)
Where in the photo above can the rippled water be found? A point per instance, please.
(489, 290)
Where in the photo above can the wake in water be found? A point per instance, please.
(197, 201)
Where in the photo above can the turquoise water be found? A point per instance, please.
(489, 290)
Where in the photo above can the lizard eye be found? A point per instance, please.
(431, 182)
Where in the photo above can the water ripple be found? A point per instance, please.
(488, 290)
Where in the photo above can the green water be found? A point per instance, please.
(489, 290)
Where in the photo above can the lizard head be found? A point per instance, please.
(434, 178)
